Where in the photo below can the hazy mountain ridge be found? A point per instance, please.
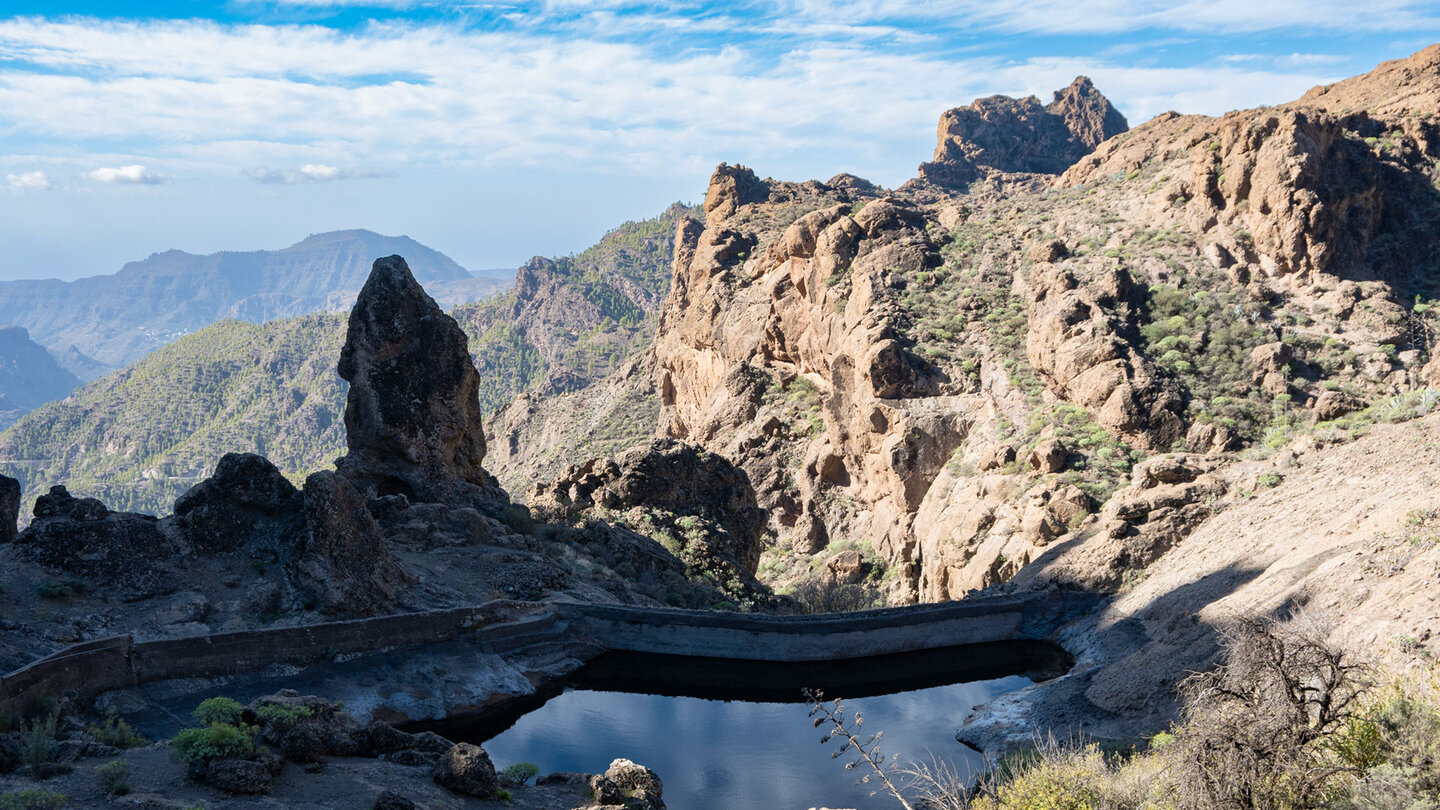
(29, 375)
(115, 319)
(141, 436)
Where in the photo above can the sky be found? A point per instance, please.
(498, 131)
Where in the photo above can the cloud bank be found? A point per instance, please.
(310, 173)
(619, 86)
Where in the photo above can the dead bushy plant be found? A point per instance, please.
(826, 595)
(1255, 730)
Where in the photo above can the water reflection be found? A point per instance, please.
(739, 754)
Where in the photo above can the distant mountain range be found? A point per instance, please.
(105, 322)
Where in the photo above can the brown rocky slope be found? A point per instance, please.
(952, 379)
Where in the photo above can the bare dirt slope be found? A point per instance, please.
(1349, 537)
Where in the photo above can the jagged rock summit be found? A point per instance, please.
(412, 418)
(1005, 134)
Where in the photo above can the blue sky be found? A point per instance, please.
(496, 131)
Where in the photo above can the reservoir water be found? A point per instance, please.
(737, 735)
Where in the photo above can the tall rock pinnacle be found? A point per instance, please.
(412, 419)
(1006, 134)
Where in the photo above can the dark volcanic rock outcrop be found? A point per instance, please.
(79, 536)
(412, 417)
(1021, 135)
(9, 508)
(675, 480)
(246, 502)
(340, 562)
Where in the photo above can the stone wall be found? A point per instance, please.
(99, 666)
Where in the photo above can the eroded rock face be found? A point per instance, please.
(339, 562)
(1075, 340)
(1294, 194)
(1169, 496)
(1021, 135)
(246, 502)
(412, 417)
(79, 536)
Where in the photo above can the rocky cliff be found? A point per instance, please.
(1003, 134)
(955, 382)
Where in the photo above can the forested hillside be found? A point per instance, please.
(139, 437)
(573, 320)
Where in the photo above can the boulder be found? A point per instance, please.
(339, 561)
(847, 566)
(390, 800)
(1048, 456)
(632, 777)
(1047, 251)
(384, 738)
(467, 769)
(412, 415)
(79, 536)
(247, 501)
(1335, 404)
(238, 776)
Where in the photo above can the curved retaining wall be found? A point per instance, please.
(797, 638)
(104, 665)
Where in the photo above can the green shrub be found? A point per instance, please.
(519, 773)
(218, 710)
(283, 715)
(38, 746)
(197, 746)
(34, 799)
(116, 733)
(1069, 780)
(55, 590)
(114, 777)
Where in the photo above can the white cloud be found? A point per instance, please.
(244, 98)
(134, 174)
(310, 173)
(28, 181)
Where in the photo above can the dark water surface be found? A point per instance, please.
(741, 754)
(737, 735)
